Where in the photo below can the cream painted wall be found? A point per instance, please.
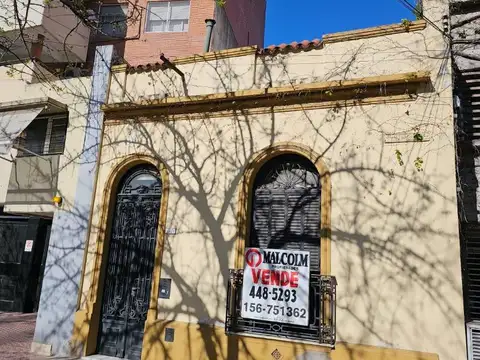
(33, 17)
(66, 37)
(63, 43)
(73, 93)
(395, 244)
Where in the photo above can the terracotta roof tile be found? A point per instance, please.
(305, 45)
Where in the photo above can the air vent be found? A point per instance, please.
(473, 340)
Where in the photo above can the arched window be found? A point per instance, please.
(286, 207)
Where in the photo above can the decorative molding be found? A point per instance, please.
(374, 32)
(216, 55)
(45, 102)
(119, 68)
(255, 98)
(359, 34)
(146, 117)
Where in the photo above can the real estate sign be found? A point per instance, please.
(276, 285)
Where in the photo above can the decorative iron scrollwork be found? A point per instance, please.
(130, 262)
(322, 324)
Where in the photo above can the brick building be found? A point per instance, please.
(143, 29)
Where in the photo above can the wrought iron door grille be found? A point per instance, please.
(321, 328)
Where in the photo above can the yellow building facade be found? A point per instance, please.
(366, 114)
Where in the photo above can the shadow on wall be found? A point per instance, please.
(376, 207)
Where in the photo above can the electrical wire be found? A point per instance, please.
(420, 14)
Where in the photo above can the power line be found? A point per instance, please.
(420, 14)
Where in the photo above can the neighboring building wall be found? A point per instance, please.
(73, 93)
(67, 35)
(151, 45)
(65, 253)
(465, 32)
(240, 23)
(142, 47)
(223, 36)
(394, 249)
(61, 282)
(248, 20)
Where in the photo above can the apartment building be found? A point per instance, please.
(41, 132)
(140, 31)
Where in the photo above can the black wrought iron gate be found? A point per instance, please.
(20, 262)
(130, 265)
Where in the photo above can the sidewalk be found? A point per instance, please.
(16, 334)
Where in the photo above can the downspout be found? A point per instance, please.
(210, 24)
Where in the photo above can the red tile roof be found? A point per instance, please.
(305, 45)
(271, 50)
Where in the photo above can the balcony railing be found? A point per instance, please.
(321, 325)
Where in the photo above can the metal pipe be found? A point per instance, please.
(172, 66)
(210, 24)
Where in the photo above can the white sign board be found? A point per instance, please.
(28, 245)
(276, 285)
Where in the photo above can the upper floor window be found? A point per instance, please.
(168, 16)
(44, 136)
(113, 21)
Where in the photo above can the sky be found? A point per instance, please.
(297, 20)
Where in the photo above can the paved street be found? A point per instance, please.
(16, 334)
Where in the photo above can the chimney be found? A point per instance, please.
(37, 47)
(210, 24)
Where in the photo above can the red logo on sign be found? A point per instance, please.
(253, 257)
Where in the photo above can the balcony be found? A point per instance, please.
(32, 185)
(321, 327)
(48, 31)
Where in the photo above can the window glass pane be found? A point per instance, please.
(176, 25)
(57, 137)
(157, 26)
(157, 15)
(33, 138)
(113, 20)
(180, 10)
(171, 16)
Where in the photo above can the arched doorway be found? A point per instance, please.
(129, 271)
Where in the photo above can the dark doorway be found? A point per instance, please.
(129, 270)
(22, 244)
